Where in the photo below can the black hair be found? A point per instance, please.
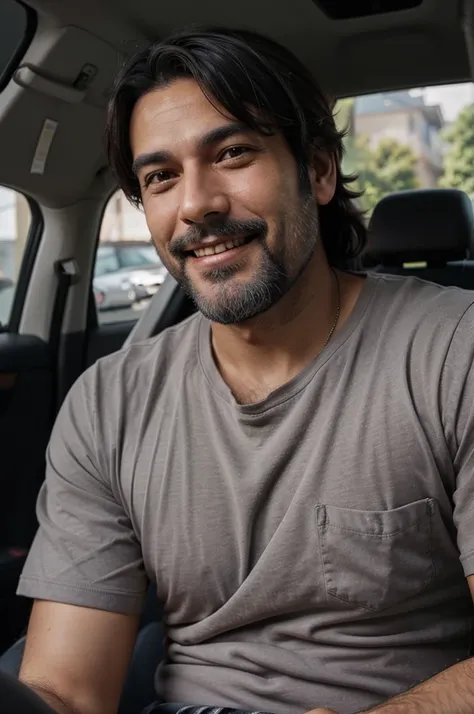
(261, 84)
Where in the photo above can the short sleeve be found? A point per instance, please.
(85, 551)
(457, 393)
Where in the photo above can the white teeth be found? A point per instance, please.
(220, 248)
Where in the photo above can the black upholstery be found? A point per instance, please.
(434, 227)
(10, 661)
(406, 226)
(16, 697)
(139, 688)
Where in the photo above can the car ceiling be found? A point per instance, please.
(430, 44)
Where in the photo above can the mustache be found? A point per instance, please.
(218, 228)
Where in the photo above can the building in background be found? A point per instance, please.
(405, 117)
(122, 221)
(15, 219)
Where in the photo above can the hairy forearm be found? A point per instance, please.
(450, 692)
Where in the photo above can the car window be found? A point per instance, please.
(127, 270)
(403, 140)
(15, 222)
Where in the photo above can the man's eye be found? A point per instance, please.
(235, 152)
(158, 177)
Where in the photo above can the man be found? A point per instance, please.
(292, 466)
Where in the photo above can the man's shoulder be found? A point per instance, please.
(425, 326)
(164, 356)
(423, 303)
(178, 336)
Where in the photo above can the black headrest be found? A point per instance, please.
(433, 225)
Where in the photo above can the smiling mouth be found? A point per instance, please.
(221, 247)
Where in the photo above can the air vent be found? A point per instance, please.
(346, 9)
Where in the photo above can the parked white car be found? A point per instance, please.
(126, 272)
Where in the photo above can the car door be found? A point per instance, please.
(26, 384)
(26, 404)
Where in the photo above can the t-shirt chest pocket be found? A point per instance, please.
(376, 559)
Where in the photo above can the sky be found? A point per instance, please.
(452, 98)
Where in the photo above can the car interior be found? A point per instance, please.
(58, 59)
(427, 233)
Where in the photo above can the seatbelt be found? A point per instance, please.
(67, 274)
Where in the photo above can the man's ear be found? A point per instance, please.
(323, 177)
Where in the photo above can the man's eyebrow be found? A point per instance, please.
(221, 133)
(150, 159)
(215, 136)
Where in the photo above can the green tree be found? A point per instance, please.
(343, 114)
(344, 117)
(459, 158)
(388, 167)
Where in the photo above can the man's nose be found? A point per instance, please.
(202, 197)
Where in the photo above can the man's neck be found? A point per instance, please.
(257, 357)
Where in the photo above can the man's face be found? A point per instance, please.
(223, 203)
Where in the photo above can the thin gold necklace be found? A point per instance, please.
(338, 312)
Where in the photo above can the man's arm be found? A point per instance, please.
(87, 554)
(76, 658)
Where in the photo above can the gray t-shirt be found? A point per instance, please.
(309, 550)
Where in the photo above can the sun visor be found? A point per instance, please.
(54, 107)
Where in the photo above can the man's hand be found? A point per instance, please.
(321, 711)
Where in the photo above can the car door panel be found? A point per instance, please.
(26, 415)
